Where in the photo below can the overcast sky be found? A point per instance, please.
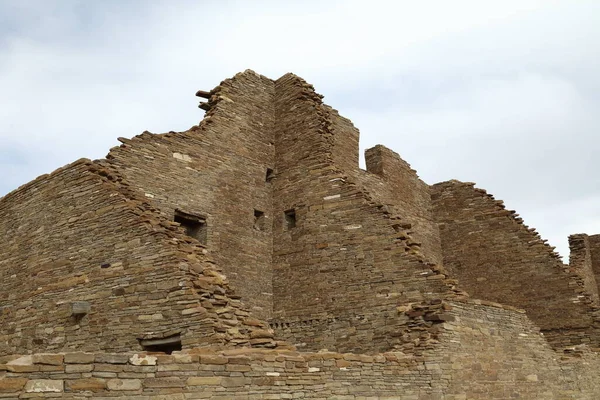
(502, 93)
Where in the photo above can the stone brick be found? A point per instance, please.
(169, 382)
(78, 368)
(79, 358)
(85, 384)
(112, 358)
(44, 386)
(124, 384)
(204, 380)
(143, 359)
(11, 384)
(48, 359)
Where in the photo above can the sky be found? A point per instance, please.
(505, 94)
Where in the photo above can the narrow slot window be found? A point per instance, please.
(194, 225)
(269, 175)
(165, 345)
(259, 220)
(290, 219)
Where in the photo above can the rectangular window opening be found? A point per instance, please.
(269, 176)
(164, 345)
(194, 225)
(290, 218)
(259, 220)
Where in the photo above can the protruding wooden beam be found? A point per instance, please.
(203, 94)
(204, 106)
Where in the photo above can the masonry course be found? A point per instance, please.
(255, 250)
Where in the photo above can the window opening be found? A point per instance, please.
(269, 175)
(164, 345)
(290, 218)
(194, 225)
(259, 220)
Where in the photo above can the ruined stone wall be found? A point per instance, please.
(81, 235)
(490, 351)
(346, 262)
(594, 243)
(218, 170)
(345, 142)
(393, 182)
(580, 263)
(487, 352)
(217, 375)
(496, 257)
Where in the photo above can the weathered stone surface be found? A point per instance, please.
(85, 384)
(44, 386)
(79, 358)
(78, 368)
(11, 384)
(169, 382)
(112, 359)
(142, 359)
(48, 359)
(491, 252)
(124, 384)
(204, 380)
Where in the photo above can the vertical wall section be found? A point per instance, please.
(219, 171)
(391, 180)
(88, 264)
(342, 263)
(497, 258)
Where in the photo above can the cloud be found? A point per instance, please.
(501, 93)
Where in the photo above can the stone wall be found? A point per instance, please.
(217, 375)
(496, 257)
(81, 238)
(492, 351)
(580, 263)
(594, 243)
(218, 170)
(487, 352)
(393, 182)
(345, 258)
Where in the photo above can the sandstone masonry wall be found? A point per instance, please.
(345, 263)
(392, 181)
(333, 257)
(218, 170)
(490, 351)
(216, 375)
(580, 263)
(496, 257)
(594, 243)
(487, 352)
(81, 235)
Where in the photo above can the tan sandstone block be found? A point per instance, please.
(169, 382)
(142, 359)
(86, 384)
(112, 358)
(78, 368)
(44, 385)
(79, 358)
(12, 384)
(124, 384)
(210, 359)
(204, 380)
(48, 359)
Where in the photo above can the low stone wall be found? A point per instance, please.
(271, 374)
(481, 350)
(232, 374)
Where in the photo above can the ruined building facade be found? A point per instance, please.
(255, 248)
